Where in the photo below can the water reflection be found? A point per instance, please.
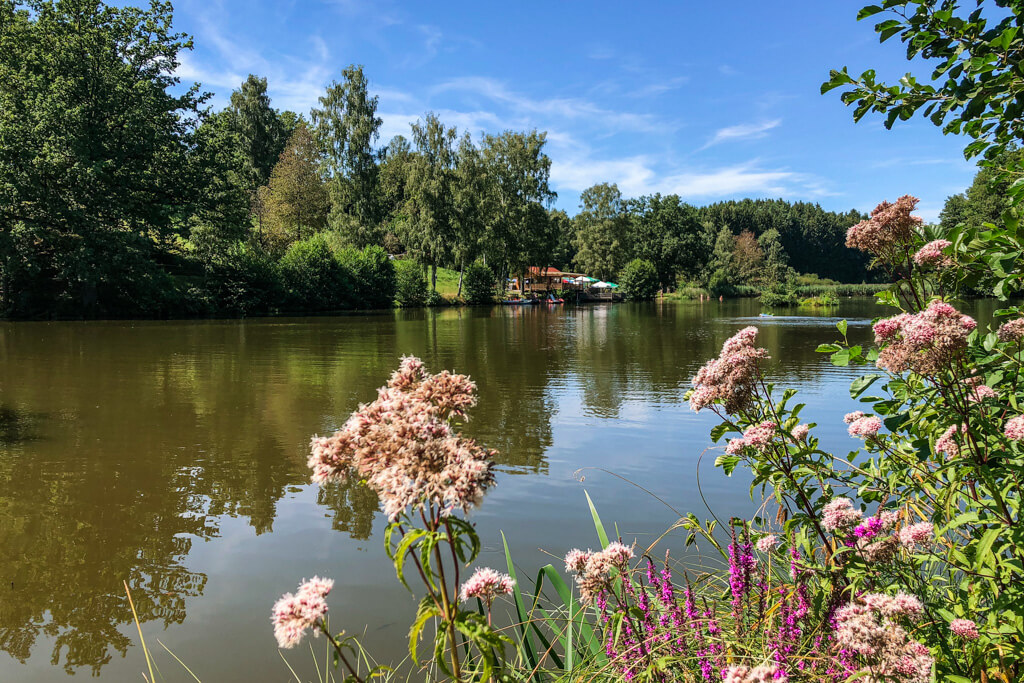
(125, 445)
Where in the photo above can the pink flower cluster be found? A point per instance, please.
(765, 673)
(293, 614)
(925, 342)
(404, 446)
(840, 515)
(729, 379)
(871, 628)
(932, 254)
(890, 225)
(486, 584)
(756, 436)
(946, 444)
(914, 535)
(965, 628)
(766, 543)
(861, 425)
(1012, 331)
(1014, 428)
(800, 432)
(594, 570)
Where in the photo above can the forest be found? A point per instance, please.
(124, 194)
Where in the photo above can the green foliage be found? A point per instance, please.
(245, 280)
(639, 280)
(313, 278)
(295, 200)
(479, 284)
(975, 55)
(347, 127)
(435, 298)
(812, 238)
(823, 301)
(601, 232)
(777, 298)
(721, 283)
(410, 285)
(669, 234)
(986, 199)
(372, 276)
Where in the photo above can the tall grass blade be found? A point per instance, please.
(523, 615)
(145, 650)
(601, 533)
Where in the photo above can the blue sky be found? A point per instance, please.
(709, 100)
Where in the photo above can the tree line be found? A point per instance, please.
(123, 194)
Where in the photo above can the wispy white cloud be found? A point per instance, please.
(743, 131)
(562, 107)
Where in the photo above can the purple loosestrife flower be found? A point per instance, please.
(293, 614)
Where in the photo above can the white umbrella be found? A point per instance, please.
(601, 285)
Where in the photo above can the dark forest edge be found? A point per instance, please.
(122, 194)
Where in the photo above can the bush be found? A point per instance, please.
(372, 275)
(435, 298)
(778, 297)
(244, 280)
(410, 285)
(313, 278)
(478, 284)
(720, 284)
(639, 280)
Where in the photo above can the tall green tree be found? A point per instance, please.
(602, 232)
(296, 199)
(518, 232)
(347, 126)
(470, 198)
(94, 135)
(259, 134)
(395, 163)
(668, 233)
(776, 271)
(428, 234)
(987, 197)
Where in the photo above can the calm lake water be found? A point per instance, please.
(171, 455)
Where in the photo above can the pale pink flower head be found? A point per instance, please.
(839, 514)
(486, 584)
(890, 228)
(980, 392)
(947, 444)
(850, 418)
(576, 560)
(293, 614)
(731, 378)
(759, 436)
(1014, 428)
(599, 569)
(765, 673)
(800, 432)
(965, 628)
(926, 342)
(933, 254)
(404, 447)
(865, 427)
(735, 446)
(1011, 331)
(767, 542)
(918, 534)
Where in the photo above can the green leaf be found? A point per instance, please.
(868, 11)
(601, 534)
(517, 596)
(728, 463)
(861, 384)
(841, 326)
(841, 358)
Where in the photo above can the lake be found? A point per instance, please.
(171, 455)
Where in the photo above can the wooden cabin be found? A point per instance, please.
(541, 279)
